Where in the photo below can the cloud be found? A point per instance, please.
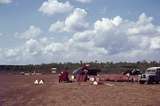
(107, 39)
(11, 53)
(75, 22)
(31, 32)
(155, 43)
(107, 24)
(143, 25)
(58, 26)
(113, 39)
(84, 1)
(5, 1)
(32, 47)
(52, 7)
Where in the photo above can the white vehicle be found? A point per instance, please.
(151, 75)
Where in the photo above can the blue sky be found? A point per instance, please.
(39, 31)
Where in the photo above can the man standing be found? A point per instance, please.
(63, 76)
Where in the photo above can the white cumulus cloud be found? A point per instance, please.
(143, 25)
(31, 32)
(75, 22)
(107, 24)
(52, 7)
(105, 39)
(155, 43)
(58, 26)
(84, 1)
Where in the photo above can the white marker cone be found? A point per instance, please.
(91, 79)
(95, 83)
(41, 82)
(72, 77)
(36, 82)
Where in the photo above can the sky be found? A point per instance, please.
(46, 31)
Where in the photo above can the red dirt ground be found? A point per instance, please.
(19, 90)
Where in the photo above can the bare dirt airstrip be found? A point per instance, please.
(19, 90)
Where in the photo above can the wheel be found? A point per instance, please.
(150, 81)
(141, 82)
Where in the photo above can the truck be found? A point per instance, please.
(151, 75)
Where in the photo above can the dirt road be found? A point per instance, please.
(19, 90)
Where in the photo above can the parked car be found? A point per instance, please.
(151, 75)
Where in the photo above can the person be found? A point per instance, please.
(60, 76)
(83, 74)
(63, 76)
(128, 75)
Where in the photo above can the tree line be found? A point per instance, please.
(106, 67)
